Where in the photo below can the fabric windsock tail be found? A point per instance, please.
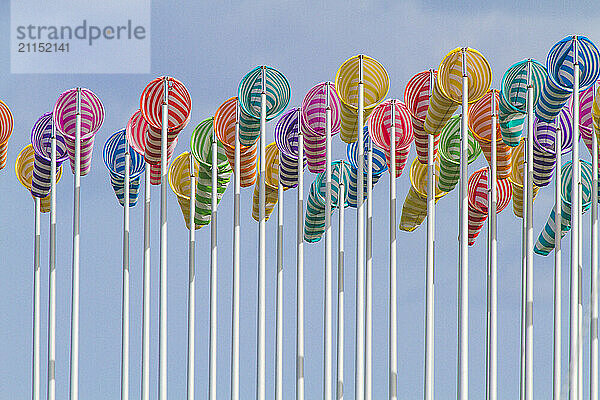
(511, 124)
(516, 178)
(476, 221)
(24, 171)
(153, 144)
(155, 168)
(202, 214)
(439, 112)
(179, 181)
(117, 183)
(503, 153)
(87, 148)
(414, 209)
(422, 141)
(544, 151)
(270, 202)
(286, 138)
(3, 154)
(546, 241)
(40, 186)
(249, 129)
(314, 148)
(271, 183)
(6, 129)
(416, 98)
(314, 219)
(586, 123)
(248, 159)
(353, 186)
(543, 167)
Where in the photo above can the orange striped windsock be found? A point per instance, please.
(6, 128)
(224, 125)
(416, 97)
(24, 171)
(447, 91)
(376, 83)
(271, 183)
(480, 123)
(477, 192)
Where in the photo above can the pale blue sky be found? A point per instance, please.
(209, 47)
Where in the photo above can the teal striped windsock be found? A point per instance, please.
(545, 242)
(314, 220)
(449, 150)
(278, 93)
(201, 148)
(513, 98)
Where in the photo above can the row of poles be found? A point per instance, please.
(364, 303)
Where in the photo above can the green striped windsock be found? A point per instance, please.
(449, 150)
(314, 220)
(201, 148)
(546, 242)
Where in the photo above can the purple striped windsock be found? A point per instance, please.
(286, 138)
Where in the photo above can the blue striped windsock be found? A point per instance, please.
(559, 83)
(546, 240)
(114, 159)
(379, 167)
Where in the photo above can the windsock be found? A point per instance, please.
(586, 123)
(380, 123)
(41, 136)
(286, 139)
(278, 93)
(544, 148)
(201, 149)
(313, 121)
(6, 128)
(480, 123)
(558, 85)
(114, 158)
(271, 183)
(447, 91)
(92, 116)
(596, 113)
(179, 181)
(376, 84)
(24, 171)
(379, 167)
(414, 209)
(546, 242)
(314, 219)
(416, 97)
(450, 154)
(224, 125)
(516, 178)
(477, 193)
(513, 98)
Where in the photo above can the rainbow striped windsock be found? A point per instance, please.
(558, 85)
(546, 241)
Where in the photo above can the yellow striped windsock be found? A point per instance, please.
(516, 178)
(24, 171)
(271, 183)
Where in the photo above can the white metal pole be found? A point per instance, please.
(429, 273)
(529, 245)
(260, 347)
(327, 312)
(212, 384)
(191, 283)
(300, 267)
(74, 375)
(162, 335)
(279, 295)
(557, 358)
(125, 305)
(359, 372)
(493, 373)
(369, 278)
(191, 320)
(145, 389)
(523, 275)
(463, 276)
(235, 297)
(575, 210)
(340, 297)
(51, 388)
(35, 373)
(393, 322)
(594, 275)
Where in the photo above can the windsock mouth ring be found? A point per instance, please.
(6, 123)
(25, 175)
(113, 155)
(136, 132)
(179, 104)
(41, 136)
(376, 81)
(224, 124)
(544, 134)
(418, 179)
(277, 89)
(514, 73)
(64, 114)
(314, 105)
(201, 146)
(379, 156)
(176, 186)
(478, 71)
(589, 62)
(418, 92)
(286, 133)
(379, 125)
(449, 136)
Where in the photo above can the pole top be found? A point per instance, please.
(78, 101)
(165, 89)
(263, 71)
(464, 60)
(327, 92)
(360, 68)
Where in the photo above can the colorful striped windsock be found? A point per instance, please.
(477, 193)
(201, 148)
(179, 181)
(559, 83)
(278, 93)
(6, 128)
(24, 171)
(286, 139)
(41, 136)
(544, 152)
(414, 209)
(545, 243)
(178, 115)
(380, 123)
(513, 98)
(92, 116)
(480, 123)
(416, 97)
(449, 151)
(447, 91)
(224, 125)
(271, 183)
(314, 219)
(313, 120)
(113, 155)
(596, 113)
(376, 84)
(379, 167)
(516, 178)
(586, 123)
